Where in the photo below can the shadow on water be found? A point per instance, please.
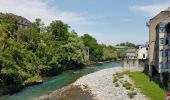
(56, 82)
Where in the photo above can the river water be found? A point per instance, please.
(53, 83)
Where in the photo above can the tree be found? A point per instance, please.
(95, 48)
(74, 51)
(8, 24)
(59, 30)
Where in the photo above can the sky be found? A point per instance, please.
(109, 21)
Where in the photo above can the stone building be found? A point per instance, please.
(159, 45)
(22, 23)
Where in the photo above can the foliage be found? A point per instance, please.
(127, 44)
(29, 52)
(147, 87)
(131, 94)
(98, 52)
(121, 53)
(59, 30)
(127, 85)
(116, 84)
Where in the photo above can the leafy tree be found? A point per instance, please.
(95, 49)
(74, 51)
(59, 30)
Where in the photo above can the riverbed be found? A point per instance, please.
(53, 83)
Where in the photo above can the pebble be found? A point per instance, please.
(101, 85)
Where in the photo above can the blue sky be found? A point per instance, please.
(109, 21)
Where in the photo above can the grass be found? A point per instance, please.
(147, 87)
(118, 76)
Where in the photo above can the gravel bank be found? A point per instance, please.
(101, 85)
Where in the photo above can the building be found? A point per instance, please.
(142, 53)
(22, 23)
(159, 45)
(131, 54)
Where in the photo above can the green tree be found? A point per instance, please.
(95, 48)
(59, 30)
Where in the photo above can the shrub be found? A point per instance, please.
(131, 94)
(127, 85)
(115, 79)
(116, 84)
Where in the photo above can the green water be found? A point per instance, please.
(56, 82)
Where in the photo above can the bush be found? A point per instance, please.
(131, 94)
(127, 85)
(115, 79)
(116, 84)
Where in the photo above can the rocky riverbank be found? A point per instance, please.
(97, 86)
(101, 85)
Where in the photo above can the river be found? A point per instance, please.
(53, 83)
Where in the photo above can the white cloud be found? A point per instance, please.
(150, 10)
(32, 9)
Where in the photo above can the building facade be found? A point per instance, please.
(131, 54)
(159, 45)
(142, 53)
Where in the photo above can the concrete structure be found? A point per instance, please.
(142, 53)
(159, 45)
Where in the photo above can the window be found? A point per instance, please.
(161, 30)
(162, 41)
(161, 53)
(163, 65)
(147, 49)
(143, 55)
(164, 53)
(167, 41)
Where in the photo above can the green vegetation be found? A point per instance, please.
(118, 76)
(98, 52)
(116, 84)
(148, 87)
(127, 44)
(29, 53)
(131, 94)
(127, 85)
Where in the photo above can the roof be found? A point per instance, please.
(131, 51)
(22, 20)
(166, 10)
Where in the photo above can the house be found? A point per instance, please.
(142, 53)
(131, 54)
(159, 45)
